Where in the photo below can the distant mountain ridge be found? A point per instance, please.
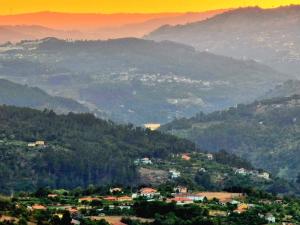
(14, 28)
(24, 96)
(137, 80)
(270, 36)
(33, 32)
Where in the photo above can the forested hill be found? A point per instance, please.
(80, 149)
(266, 133)
(25, 96)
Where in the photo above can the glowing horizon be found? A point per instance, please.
(12, 7)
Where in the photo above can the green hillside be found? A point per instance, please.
(80, 150)
(25, 96)
(266, 133)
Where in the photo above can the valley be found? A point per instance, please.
(135, 80)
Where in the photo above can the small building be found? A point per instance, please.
(180, 200)
(203, 170)
(31, 145)
(36, 144)
(40, 143)
(88, 199)
(146, 161)
(264, 175)
(242, 207)
(180, 189)
(110, 198)
(174, 173)
(124, 199)
(38, 207)
(270, 218)
(241, 171)
(210, 156)
(52, 195)
(143, 161)
(185, 157)
(235, 202)
(149, 192)
(115, 190)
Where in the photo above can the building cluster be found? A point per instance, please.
(244, 172)
(122, 200)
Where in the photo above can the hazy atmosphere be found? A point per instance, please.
(149, 112)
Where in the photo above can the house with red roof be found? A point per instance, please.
(149, 192)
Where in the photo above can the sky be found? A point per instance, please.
(130, 6)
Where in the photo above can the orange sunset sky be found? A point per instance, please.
(130, 6)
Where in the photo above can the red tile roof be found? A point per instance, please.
(148, 190)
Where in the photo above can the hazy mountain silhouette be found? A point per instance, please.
(89, 26)
(137, 80)
(271, 36)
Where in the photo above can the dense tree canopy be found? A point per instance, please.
(80, 149)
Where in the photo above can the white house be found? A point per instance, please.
(210, 156)
(143, 161)
(174, 173)
(270, 218)
(264, 175)
(241, 171)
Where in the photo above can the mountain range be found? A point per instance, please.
(269, 36)
(14, 28)
(33, 32)
(137, 80)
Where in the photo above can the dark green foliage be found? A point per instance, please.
(226, 158)
(66, 219)
(248, 218)
(150, 209)
(81, 150)
(204, 180)
(42, 193)
(265, 133)
(22, 221)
